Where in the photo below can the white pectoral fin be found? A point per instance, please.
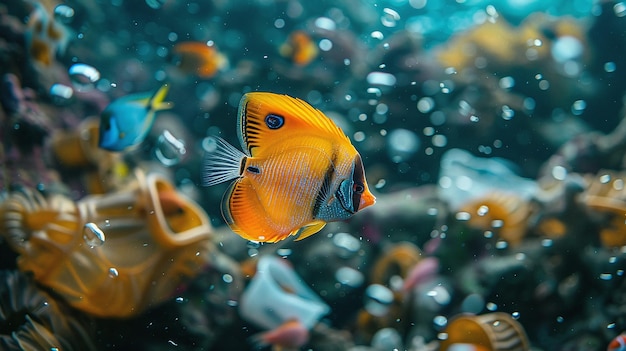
(222, 163)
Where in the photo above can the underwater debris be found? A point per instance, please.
(465, 178)
(504, 214)
(495, 331)
(31, 319)
(276, 295)
(605, 196)
(156, 240)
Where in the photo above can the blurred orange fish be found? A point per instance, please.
(299, 170)
(44, 35)
(618, 344)
(300, 48)
(198, 58)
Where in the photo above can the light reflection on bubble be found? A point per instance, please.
(506, 82)
(113, 273)
(325, 45)
(359, 136)
(578, 107)
(378, 299)
(440, 321)
(60, 93)
(390, 18)
(425, 104)
(93, 235)
(619, 9)
(402, 144)
(169, 150)
(439, 140)
(610, 67)
(381, 78)
(63, 13)
(279, 23)
(507, 113)
(325, 23)
(284, 252)
(346, 244)
(83, 76)
(377, 35)
(350, 277)
(418, 4)
(155, 4)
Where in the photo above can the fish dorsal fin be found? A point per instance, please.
(309, 229)
(267, 117)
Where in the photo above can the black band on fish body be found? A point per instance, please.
(274, 121)
(242, 165)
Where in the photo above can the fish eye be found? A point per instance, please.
(274, 121)
(358, 188)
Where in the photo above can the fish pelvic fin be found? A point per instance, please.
(223, 162)
(310, 229)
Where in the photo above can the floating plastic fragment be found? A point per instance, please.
(156, 241)
(464, 178)
(276, 295)
(493, 331)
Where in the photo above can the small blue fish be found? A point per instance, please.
(127, 120)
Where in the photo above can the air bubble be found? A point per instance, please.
(93, 235)
(325, 45)
(390, 18)
(507, 113)
(155, 4)
(377, 35)
(425, 104)
(507, 82)
(61, 94)
(578, 107)
(349, 276)
(83, 76)
(610, 67)
(63, 13)
(169, 150)
(113, 273)
(619, 9)
(381, 78)
(378, 299)
(227, 278)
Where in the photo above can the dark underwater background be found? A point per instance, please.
(492, 134)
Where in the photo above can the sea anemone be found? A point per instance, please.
(30, 319)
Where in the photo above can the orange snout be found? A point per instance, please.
(367, 199)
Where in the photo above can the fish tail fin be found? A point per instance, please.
(156, 102)
(222, 162)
